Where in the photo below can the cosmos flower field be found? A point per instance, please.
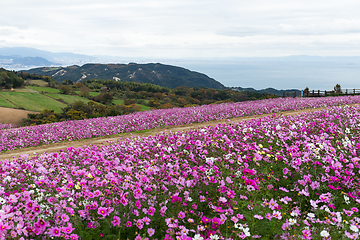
(6, 126)
(277, 177)
(89, 128)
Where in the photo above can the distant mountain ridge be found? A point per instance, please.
(18, 61)
(154, 73)
(266, 90)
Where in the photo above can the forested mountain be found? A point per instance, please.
(155, 73)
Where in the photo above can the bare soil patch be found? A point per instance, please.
(13, 116)
(101, 141)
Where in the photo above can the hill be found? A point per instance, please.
(264, 91)
(15, 61)
(48, 58)
(154, 73)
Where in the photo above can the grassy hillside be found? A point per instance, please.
(6, 103)
(68, 98)
(33, 101)
(41, 83)
(92, 94)
(44, 89)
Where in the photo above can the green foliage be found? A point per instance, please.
(104, 97)
(80, 110)
(10, 79)
(67, 82)
(84, 92)
(64, 89)
(158, 96)
(29, 76)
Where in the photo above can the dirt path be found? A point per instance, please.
(107, 140)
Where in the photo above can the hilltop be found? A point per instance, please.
(154, 73)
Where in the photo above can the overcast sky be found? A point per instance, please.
(184, 28)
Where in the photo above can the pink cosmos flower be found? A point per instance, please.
(277, 214)
(65, 217)
(140, 223)
(181, 215)
(306, 234)
(67, 229)
(268, 216)
(273, 204)
(146, 220)
(354, 209)
(124, 201)
(138, 204)
(74, 237)
(29, 205)
(168, 237)
(116, 221)
(163, 210)
(216, 222)
(55, 232)
(151, 231)
(102, 211)
(13, 198)
(151, 211)
(285, 225)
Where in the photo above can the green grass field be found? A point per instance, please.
(41, 83)
(6, 103)
(144, 107)
(45, 89)
(33, 101)
(118, 101)
(92, 94)
(68, 98)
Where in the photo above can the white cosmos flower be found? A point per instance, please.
(354, 228)
(214, 237)
(292, 221)
(324, 233)
(198, 237)
(311, 215)
(346, 198)
(246, 231)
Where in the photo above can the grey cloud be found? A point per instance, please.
(148, 27)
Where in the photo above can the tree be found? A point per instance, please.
(104, 98)
(85, 92)
(68, 82)
(306, 90)
(65, 89)
(337, 89)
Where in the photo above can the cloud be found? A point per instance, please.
(180, 28)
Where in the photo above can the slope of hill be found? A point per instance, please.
(155, 73)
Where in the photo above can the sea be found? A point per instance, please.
(281, 75)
